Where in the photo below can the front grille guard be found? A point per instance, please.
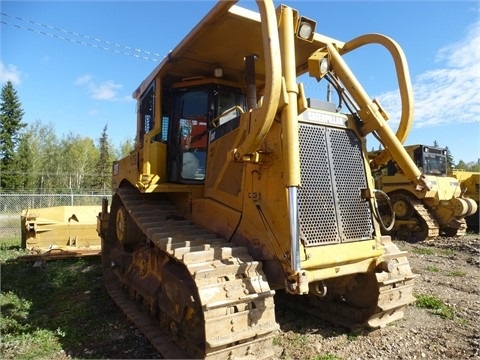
(331, 209)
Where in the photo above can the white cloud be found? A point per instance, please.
(83, 79)
(107, 90)
(9, 73)
(450, 93)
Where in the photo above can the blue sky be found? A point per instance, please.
(75, 64)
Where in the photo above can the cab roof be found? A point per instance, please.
(224, 37)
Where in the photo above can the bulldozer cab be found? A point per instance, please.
(431, 160)
(174, 144)
(195, 111)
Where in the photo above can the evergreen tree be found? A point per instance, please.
(103, 167)
(461, 165)
(450, 163)
(11, 115)
(24, 158)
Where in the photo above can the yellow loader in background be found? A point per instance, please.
(417, 216)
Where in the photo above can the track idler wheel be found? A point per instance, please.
(126, 230)
(403, 210)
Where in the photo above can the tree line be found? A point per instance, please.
(34, 159)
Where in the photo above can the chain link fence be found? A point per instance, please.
(11, 206)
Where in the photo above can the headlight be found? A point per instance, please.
(324, 65)
(318, 63)
(305, 28)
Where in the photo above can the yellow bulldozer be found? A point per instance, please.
(242, 190)
(417, 216)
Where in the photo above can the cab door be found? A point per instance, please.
(188, 135)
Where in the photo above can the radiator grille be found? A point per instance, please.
(332, 173)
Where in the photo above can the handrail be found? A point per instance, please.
(373, 116)
(403, 76)
(226, 112)
(261, 119)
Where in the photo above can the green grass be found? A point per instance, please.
(436, 305)
(327, 357)
(353, 335)
(10, 249)
(457, 273)
(446, 252)
(300, 339)
(433, 268)
(277, 341)
(423, 251)
(433, 251)
(453, 273)
(43, 308)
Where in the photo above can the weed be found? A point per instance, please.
(435, 304)
(14, 313)
(423, 251)
(447, 252)
(432, 251)
(10, 249)
(300, 338)
(277, 341)
(457, 273)
(353, 336)
(35, 344)
(433, 268)
(326, 357)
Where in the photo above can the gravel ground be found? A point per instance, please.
(449, 271)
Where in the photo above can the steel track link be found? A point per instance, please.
(161, 340)
(395, 287)
(459, 232)
(462, 230)
(236, 301)
(429, 220)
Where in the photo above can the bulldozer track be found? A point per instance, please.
(231, 298)
(424, 216)
(395, 292)
(462, 230)
(455, 232)
(420, 225)
(159, 338)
